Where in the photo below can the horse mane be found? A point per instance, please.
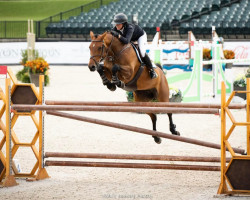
(108, 32)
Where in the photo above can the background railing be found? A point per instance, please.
(18, 29)
(13, 29)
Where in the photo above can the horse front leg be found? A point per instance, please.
(172, 126)
(105, 81)
(115, 69)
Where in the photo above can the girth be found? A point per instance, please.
(132, 85)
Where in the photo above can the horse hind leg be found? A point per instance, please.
(172, 126)
(153, 119)
(163, 97)
(145, 96)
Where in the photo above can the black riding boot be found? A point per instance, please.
(149, 66)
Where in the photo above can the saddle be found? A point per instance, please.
(138, 54)
(137, 51)
(132, 85)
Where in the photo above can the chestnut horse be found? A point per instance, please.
(122, 68)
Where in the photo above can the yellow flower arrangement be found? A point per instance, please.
(37, 66)
(206, 54)
(229, 54)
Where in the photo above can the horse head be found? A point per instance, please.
(97, 52)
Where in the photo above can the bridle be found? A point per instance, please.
(110, 58)
(101, 55)
(98, 55)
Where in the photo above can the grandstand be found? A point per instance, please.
(175, 17)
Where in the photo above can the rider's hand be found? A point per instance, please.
(114, 33)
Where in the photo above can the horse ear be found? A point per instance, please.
(92, 36)
(103, 35)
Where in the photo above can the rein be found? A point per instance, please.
(101, 55)
(116, 56)
(110, 58)
(98, 55)
(127, 46)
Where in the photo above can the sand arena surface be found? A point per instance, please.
(65, 135)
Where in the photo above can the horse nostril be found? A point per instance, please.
(92, 68)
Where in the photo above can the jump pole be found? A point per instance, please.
(131, 165)
(144, 104)
(217, 69)
(132, 157)
(197, 74)
(23, 107)
(140, 130)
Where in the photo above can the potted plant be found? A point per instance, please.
(37, 67)
(207, 56)
(175, 95)
(247, 75)
(32, 69)
(240, 85)
(229, 54)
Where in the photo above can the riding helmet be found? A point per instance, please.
(120, 18)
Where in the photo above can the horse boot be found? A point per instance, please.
(149, 66)
(173, 130)
(100, 70)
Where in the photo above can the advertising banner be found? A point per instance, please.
(71, 53)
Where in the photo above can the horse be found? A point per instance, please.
(119, 66)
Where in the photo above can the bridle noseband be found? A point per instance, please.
(98, 55)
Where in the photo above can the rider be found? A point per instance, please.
(127, 32)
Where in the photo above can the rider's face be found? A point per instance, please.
(119, 26)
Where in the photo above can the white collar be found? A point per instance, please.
(122, 29)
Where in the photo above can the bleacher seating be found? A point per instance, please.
(230, 20)
(229, 17)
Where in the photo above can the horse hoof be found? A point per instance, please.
(157, 139)
(111, 87)
(176, 133)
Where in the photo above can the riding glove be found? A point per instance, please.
(114, 33)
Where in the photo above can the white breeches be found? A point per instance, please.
(142, 42)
